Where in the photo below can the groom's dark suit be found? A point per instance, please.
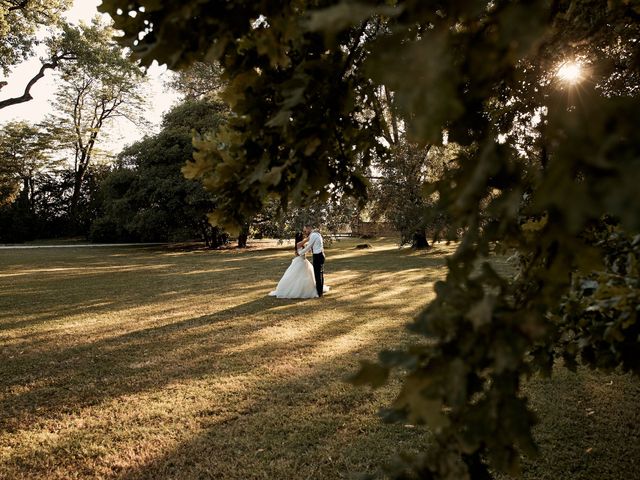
(315, 244)
(318, 271)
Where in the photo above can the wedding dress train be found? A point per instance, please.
(298, 281)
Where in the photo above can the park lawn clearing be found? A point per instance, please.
(174, 363)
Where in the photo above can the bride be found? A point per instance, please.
(298, 280)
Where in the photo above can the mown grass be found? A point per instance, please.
(156, 363)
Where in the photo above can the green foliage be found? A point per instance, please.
(98, 86)
(399, 192)
(25, 158)
(200, 80)
(24, 152)
(19, 21)
(542, 163)
(65, 45)
(147, 198)
(598, 321)
(293, 135)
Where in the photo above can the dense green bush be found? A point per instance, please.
(147, 199)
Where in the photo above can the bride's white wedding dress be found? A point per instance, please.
(298, 281)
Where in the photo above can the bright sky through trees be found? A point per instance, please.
(123, 132)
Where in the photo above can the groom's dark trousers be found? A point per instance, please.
(318, 271)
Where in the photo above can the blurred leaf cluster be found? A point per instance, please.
(598, 319)
(540, 163)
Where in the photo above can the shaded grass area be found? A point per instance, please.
(154, 363)
(589, 426)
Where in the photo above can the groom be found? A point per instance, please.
(315, 244)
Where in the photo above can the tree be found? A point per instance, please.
(147, 198)
(9, 188)
(201, 80)
(399, 190)
(19, 22)
(542, 170)
(101, 86)
(25, 154)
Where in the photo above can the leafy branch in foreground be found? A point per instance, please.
(543, 165)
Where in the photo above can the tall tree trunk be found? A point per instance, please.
(82, 165)
(394, 119)
(77, 190)
(205, 230)
(24, 194)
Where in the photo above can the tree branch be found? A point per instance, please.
(377, 106)
(20, 6)
(26, 96)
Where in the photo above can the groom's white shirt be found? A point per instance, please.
(314, 244)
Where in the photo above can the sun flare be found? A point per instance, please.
(570, 72)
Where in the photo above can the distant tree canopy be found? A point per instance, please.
(24, 151)
(25, 154)
(550, 168)
(330, 216)
(36, 185)
(147, 198)
(200, 80)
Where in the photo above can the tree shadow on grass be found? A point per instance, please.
(266, 379)
(281, 353)
(251, 389)
(92, 287)
(174, 350)
(308, 424)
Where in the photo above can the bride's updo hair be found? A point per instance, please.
(299, 238)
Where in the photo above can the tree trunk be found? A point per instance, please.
(205, 230)
(82, 166)
(24, 194)
(394, 120)
(26, 95)
(243, 237)
(420, 239)
(75, 197)
(242, 240)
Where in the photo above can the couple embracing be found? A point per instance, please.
(303, 279)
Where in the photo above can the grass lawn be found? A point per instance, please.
(157, 363)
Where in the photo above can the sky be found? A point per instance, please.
(122, 132)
